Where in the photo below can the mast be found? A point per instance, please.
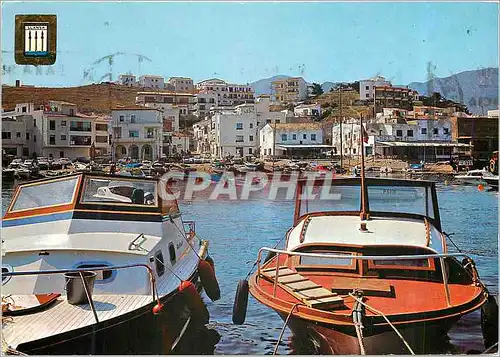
(340, 107)
(364, 214)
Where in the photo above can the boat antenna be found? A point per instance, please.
(364, 214)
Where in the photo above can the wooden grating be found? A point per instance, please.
(307, 291)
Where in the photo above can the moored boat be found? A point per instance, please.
(473, 177)
(100, 264)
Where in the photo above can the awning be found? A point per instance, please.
(422, 144)
(317, 146)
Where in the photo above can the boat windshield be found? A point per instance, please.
(45, 194)
(119, 190)
(382, 198)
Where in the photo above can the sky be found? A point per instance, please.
(244, 42)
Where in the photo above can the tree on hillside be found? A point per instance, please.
(316, 89)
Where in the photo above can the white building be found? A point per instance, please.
(235, 132)
(203, 103)
(137, 133)
(128, 80)
(367, 87)
(170, 115)
(202, 136)
(308, 110)
(227, 94)
(183, 101)
(150, 81)
(351, 139)
(21, 130)
(180, 84)
(493, 113)
(291, 139)
(266, 116)
(289, 90)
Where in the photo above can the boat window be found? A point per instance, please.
(414, 264)
(171, 251)
(104, 190)
(399, 199)
(6, 269)
(103, 276)
(327, 261)
(335, 198)
(45, 194)
(159, 263)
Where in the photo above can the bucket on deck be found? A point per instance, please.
(75, 291)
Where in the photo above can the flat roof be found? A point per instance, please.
(312, 146)
(422, 144)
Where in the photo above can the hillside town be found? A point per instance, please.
(178, 119)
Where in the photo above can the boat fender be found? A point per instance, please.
(270, 255)
(489, 321)
(194, 302)
(240, 303)
(157, 308)
(209, 280)
(210, 261)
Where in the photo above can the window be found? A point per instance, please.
(367, 95)
(52, 140)
(409, 133)
(239, 126)
(424, 131)
(313, 137)
(239, 138)
(268, 121)
(26, 152)
(283, 137)
(52, 125)
(34, 137)
(24, 109)
(159, 263)
(399, 132)
(367, 87)
(250, 138)
(354, 150)
(72, 112)
(277, 121)
(63, 137)
(101, 139)
(446, 131)
(103, 276)
(63, 122)
(133, 133)
(124, 150)
(171, 253)
(250, 151)
(304, 136)
(132, 118)
(45, 194)
(115, 191)
(34, 123)
(18, 134)
(122, 118)
(80, 126)
(101, 127)
(435, 131)
(294, 136)
(251, 125)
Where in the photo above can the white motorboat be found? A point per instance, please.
(100, 264)
(492, 181)
(473, 177)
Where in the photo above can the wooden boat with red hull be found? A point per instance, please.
(379, 284)
(100, 264)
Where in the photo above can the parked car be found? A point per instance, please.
(82, 160)
(55, 164)
(29, 162)
(17, 162)
(188, 160)
(65, 161)
(43, 163)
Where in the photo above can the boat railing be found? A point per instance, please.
(81, 271)
(440, 256)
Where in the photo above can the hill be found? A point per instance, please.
(98, 98)
(478, 89)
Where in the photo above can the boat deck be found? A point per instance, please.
(62, 317)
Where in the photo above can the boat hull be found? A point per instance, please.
(427, 337)
(138, 332)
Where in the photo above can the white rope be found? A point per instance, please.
(386, 319)
(360, 338)
(284, 326)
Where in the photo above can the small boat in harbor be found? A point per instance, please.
(473, 177)
(100, 264)
(492, 181)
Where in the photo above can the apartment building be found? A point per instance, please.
(289, 90)
(227, 94)
(151, 81)
(291, 139)
(235, 132)
(202, 136)
(66, 133)
(185, 102)
(128, 80)
(480, 132)
(367, 87)
(137, 133)
(203, 103)
(393, 97)
(180, 84)
(308, 110)
(266, 116)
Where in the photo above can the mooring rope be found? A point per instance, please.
(284, 326)
(386, 319)
(490, 348)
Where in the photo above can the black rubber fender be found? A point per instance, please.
(208, 280)
(489, 321)
(210, 261)
(240, 303)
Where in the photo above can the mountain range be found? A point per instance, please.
(478, 89)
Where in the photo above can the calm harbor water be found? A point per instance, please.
(237, 229)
